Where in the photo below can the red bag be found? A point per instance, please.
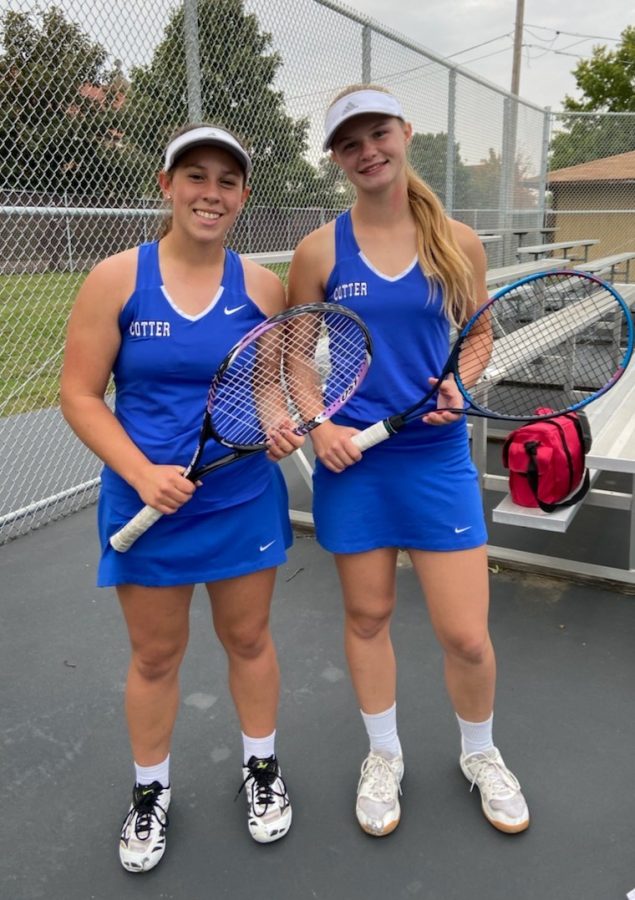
(547, 461)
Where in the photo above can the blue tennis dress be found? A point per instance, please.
(419, 489)
(237, 522)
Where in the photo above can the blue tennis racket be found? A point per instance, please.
(558, 340)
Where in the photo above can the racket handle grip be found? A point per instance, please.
(370, 436)
(123, 539)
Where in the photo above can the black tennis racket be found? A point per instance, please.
(295, 370)
(556, 340)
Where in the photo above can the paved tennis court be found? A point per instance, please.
(565, 722)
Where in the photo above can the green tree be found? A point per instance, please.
(428, 156)
(334, 191)
(58, 119)
(484, 181)
(483, 184)
(607, 84)
(237, 71)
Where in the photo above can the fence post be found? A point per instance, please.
(544, 167)
(450, 151)
(366, 54)
(69, 236)
(192, 61)
(506, 188)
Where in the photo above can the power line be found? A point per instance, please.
(557, 31)
(552, 50)
(487, 55)
(400, 77)
(476, 46)
(538, 37)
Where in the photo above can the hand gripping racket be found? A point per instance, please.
(556, 340)
(294, 370)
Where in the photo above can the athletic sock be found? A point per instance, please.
(382, 731)
(149, 774)
(476, 737)
(261, 748)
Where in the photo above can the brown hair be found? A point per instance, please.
(165, 225)
(440, 257)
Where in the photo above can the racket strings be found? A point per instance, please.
(555, 341)
(288, 377)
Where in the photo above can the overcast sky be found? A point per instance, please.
(449, 27)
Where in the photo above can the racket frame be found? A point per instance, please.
(208, 430)
(382, 430)
(395, 422)
(125, 537)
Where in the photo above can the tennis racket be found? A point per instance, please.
(295, 370)
(556, 340)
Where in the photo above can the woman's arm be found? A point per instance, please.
(92, 344)
(311, 265)
(264, 287)
(470, 243)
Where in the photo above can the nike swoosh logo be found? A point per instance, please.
(461, 530)
(264, 547)
(234, 309)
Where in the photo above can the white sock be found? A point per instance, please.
(148, 774)
(476, 737)
(382, 731)
(261, 748)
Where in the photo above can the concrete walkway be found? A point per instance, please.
(565, 722)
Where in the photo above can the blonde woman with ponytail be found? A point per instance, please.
(411, 273)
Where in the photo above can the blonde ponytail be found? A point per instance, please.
(440, 257)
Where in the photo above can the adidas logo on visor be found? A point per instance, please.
(348, 108)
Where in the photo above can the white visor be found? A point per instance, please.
(356, 104)
(207, 136)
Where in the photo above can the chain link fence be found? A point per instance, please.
(91, 91)
(591, 182)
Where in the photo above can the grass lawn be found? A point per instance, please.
(33, 314)
(34, 310)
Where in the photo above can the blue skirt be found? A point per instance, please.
(194, 549)
(418, 489)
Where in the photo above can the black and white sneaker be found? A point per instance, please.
(268, 806)
(142, 841)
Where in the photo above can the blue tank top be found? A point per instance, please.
(162, 375)
(408, 327)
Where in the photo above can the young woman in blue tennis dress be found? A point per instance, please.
(410, 272)
(161, 317)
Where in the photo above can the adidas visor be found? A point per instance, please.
(207, 136)
(356, 104)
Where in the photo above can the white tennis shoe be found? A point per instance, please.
(268, 806)
(142, 840)
(377, 809)
(502, 799)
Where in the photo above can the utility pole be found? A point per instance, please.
(518, 45)
(510, 129)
